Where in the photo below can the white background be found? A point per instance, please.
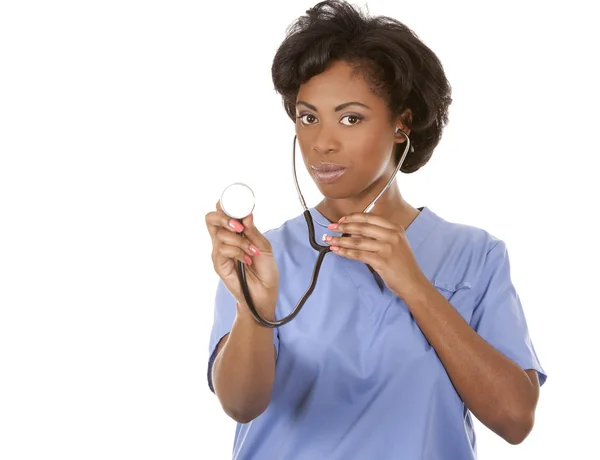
(121, 122)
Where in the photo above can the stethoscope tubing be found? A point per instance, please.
(322, 250)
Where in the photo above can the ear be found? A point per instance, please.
(404, 122)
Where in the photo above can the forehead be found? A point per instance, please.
(339, 83)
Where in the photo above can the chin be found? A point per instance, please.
(337, 191)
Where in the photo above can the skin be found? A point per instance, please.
(364, 146)
(244, 368)
(496, 390)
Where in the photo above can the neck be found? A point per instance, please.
(391, 206)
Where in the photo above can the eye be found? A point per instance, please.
(352, 120)
(307, 119)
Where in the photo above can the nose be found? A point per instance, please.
(325, 142)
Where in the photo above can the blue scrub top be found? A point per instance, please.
(355, 376)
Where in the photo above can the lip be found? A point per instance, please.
(326, 173)
(327, 167)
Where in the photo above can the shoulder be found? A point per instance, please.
(464, 236)
(465, 262)
(459, 252)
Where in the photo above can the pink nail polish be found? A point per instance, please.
(332, 226)
(247, 259)
(235, 225)
(254, 250)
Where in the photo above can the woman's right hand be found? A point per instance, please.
(253, 250)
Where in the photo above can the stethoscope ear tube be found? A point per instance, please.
(322, 250)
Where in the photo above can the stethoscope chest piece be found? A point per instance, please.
(237, 201)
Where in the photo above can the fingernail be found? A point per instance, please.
(247, 259)
(342, 220)
(326, 237)
(254, 250)
(332, 226)
(235, 225)
(334, 248)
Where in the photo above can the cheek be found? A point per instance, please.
(373, 152)
(302, 151)
(374, 136)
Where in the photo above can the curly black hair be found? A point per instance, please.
(399, 67)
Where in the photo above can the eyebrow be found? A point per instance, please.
(337, 109)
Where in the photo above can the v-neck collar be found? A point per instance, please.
(364, 280)
(416, 232)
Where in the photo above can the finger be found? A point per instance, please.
(370, 219)
(233, 239)
(367, 257)
(231, 221)
(218, 219)
(225, 251)
(363, 244)
(254, 235)
(366, 230)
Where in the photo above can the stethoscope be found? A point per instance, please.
(237, 201)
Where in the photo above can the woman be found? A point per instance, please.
(414, 324)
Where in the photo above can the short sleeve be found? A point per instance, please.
(225, 311)
(498, 316)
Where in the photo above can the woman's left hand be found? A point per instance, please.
(382, 245)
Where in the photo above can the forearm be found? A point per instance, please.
(494, 388)
(244, 369)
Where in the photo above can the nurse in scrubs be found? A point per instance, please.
(415, 326)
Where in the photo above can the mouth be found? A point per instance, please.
(326, 173)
